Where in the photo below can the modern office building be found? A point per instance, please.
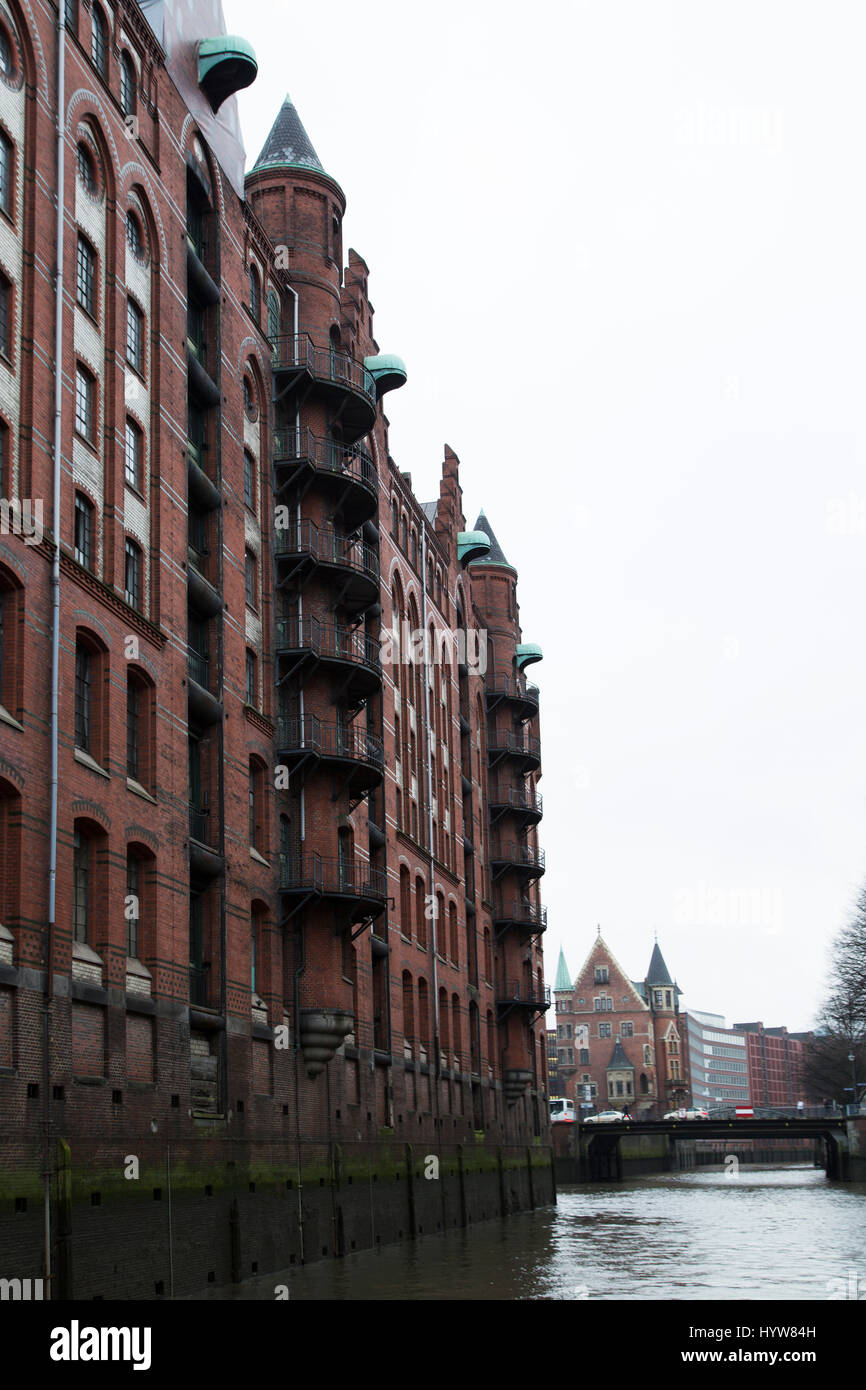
(718, 1061)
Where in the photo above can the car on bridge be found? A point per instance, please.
(606, 1117)
(693, 1113)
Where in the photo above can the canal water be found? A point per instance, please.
(773, 1233)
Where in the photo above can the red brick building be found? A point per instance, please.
(621, 1043)
(268, 818)
(774, 1060)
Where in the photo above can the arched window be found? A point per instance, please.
(134, 456)
(395, 517)
(87, 169)
(405, 902)
(488, 956)
(453, 942)
(456, 1030)
(139, 907)
(408, 1010)
(10, 598)
(7, 166)
(139, 729)
(83, 537)
(257, 805)
(273, 314)
(133, 575)
(99, 42)
(6, 65)
(82, 893)
(127, 84)
(420, 914)
(491, 1040)
(134, 234)
(444, 1030)
(423, 1015)
(255, 294)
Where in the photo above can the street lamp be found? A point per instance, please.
(853, 1080)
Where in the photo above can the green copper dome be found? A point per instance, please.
(387, 370)
(225, 65)
(472, 545)
(527, 652)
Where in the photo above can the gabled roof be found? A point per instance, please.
(563, 980)
(601, 943)
(619, 1061)
(658, 972)
(496, 556)
(288, 143)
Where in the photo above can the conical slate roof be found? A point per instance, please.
(658, 971)
(496, 556)
(619, 1060)
(288, 142)
(563, 979)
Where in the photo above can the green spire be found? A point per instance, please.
(563, 979)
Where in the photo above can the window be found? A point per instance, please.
(6, 158)
(404, 535)
(395, 518)
(250, 400)
(133, 896)
(133, 732)
(80, 877)
(257, 800)
(83, 696)
(132, 575)
(83, 531)
(71, 13)
(5, 477)
(250, 578)
(251, 677)
(85, 397)
(135, 336)
(99, 42)
(255, 294)
(273, 315)
(604, 1030)
(134, 236)
(134, 455)
(5, 317)
(628, 1030)
(584, 1056)
(249, 480)
(601, 975)
(414, 550)
(127, 84)
(86, 276)
(5, 54)
(87, 170)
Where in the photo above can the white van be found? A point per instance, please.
(561, 1110)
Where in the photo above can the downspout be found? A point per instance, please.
(433, 902)
(294, 294)
(55, 617)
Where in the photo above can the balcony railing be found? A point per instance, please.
(310, 734)
(512, 688)
(329, 455)
(331, 877)
(514, 743)
(199, 818)
(525, 992)
(518, 855)
(292, 351)
(517, 799)
(531, 916)
(328, 547)
(199, 668)
(330, 642)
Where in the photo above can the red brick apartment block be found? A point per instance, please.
(296, 854)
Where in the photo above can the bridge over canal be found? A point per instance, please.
(623, 1149)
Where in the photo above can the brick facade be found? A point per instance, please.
(279, 913)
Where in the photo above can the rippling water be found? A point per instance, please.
(766, 1233)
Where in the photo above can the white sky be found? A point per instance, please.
(621, 250)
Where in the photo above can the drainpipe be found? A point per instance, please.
(294, 294)
(55, 619)
(437, 1055)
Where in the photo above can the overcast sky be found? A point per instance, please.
(621, 250)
